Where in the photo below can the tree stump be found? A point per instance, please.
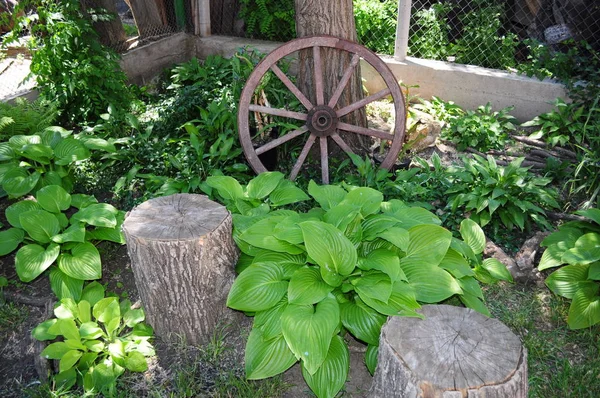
(182, 256)
(453, 353)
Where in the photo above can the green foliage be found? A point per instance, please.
(72, 69)
(269, 19)
(343, 266)
(25, 118)
(99, 338)
(429, 37)
(575, 248)
(48, 239)
(496, 195)
(482, 129)
(376, 24)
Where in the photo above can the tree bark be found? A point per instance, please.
(453, 353)
(111, 33)
(336, 18)
(182, 256)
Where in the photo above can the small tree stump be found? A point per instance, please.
(183, 256)
(454, 353)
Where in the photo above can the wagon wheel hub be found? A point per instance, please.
(322, 121)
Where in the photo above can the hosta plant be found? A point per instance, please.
(30, 162)
(575, 248)
(48, 239)
(501, 195)
(95, 340)
(344, 266)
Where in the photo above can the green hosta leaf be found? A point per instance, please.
(330, 249)
(266, 357)
(263, 184)
(40, 332)
(594, 271)
(65, 286)
(552, 257)
(474, 303)
(585, 308)
(456, 264)
(85, 311)
(18, 182)
(371, 358)
(110, 234)
(308, 330)
(53, 198)
(38, 152)
(55, 350)
(376, 286)
(68, 329)
(367, 199)
(136, 362)
(327, 196)
(104, 377)
(86, 361)
(94, 345)
(99, 215)
(473, 235)
(80, 201)
(65, 380)
(329, 379)
(99, 144)
(362, 321)
(592, 214)
(19, 141)
(40, 225)
(90, 330)
(307, 287)
(289, 230)
(385, 261)
(398, 237)
(14, 211)
(107, 309)
(586, 250)
(67, 309)
(32, 260)
(269, 321)
(10, 240)
(567, 280)
(6, 152)
(69, 151)
(258, 288)
(497, 269)
(428, 244)
(431, 283)
(227, 187)
(342, 215)
(287, 194)
(290, 263)
(83, 262)
(75, 233)
(133, 316)
(261, 235)
(376, 224)
(413, 216)
(402, 301)
(92, 293)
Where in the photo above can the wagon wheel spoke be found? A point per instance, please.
(292, 87)
(309, 143)
(363, 102)
(318, 65)
(384, 135)
(344, 81)
(277, 112)
(341, 143)
(324, 161)
(283, 139)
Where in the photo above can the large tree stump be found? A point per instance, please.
(453, 353)
(183, 256)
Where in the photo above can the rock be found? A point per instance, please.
(424, 133)
(491, 250)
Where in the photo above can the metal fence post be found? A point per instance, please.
(202, 18)
(401, 47)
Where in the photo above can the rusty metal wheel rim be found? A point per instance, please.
(321, 120)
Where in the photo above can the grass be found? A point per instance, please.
(562, 362)
(11, 316)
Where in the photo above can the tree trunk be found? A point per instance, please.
(182, 256)
(336, 18)
(454, 353)
(111, 33)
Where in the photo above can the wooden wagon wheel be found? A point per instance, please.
(321, 120)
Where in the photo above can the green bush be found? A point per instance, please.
(269, 19)
(429, 37)
(376, 24)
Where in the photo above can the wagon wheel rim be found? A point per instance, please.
(322, 122)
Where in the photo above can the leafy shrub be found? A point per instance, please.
(269, 19)
(99, 338)
(376, 24)
(72, 69)
(429, 37)
(482, 129)
(50, 236)
(345, 265)
(576, 244)
(443, 111)
(496, 195)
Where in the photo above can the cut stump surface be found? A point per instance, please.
(454, 352)
(183, 257)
